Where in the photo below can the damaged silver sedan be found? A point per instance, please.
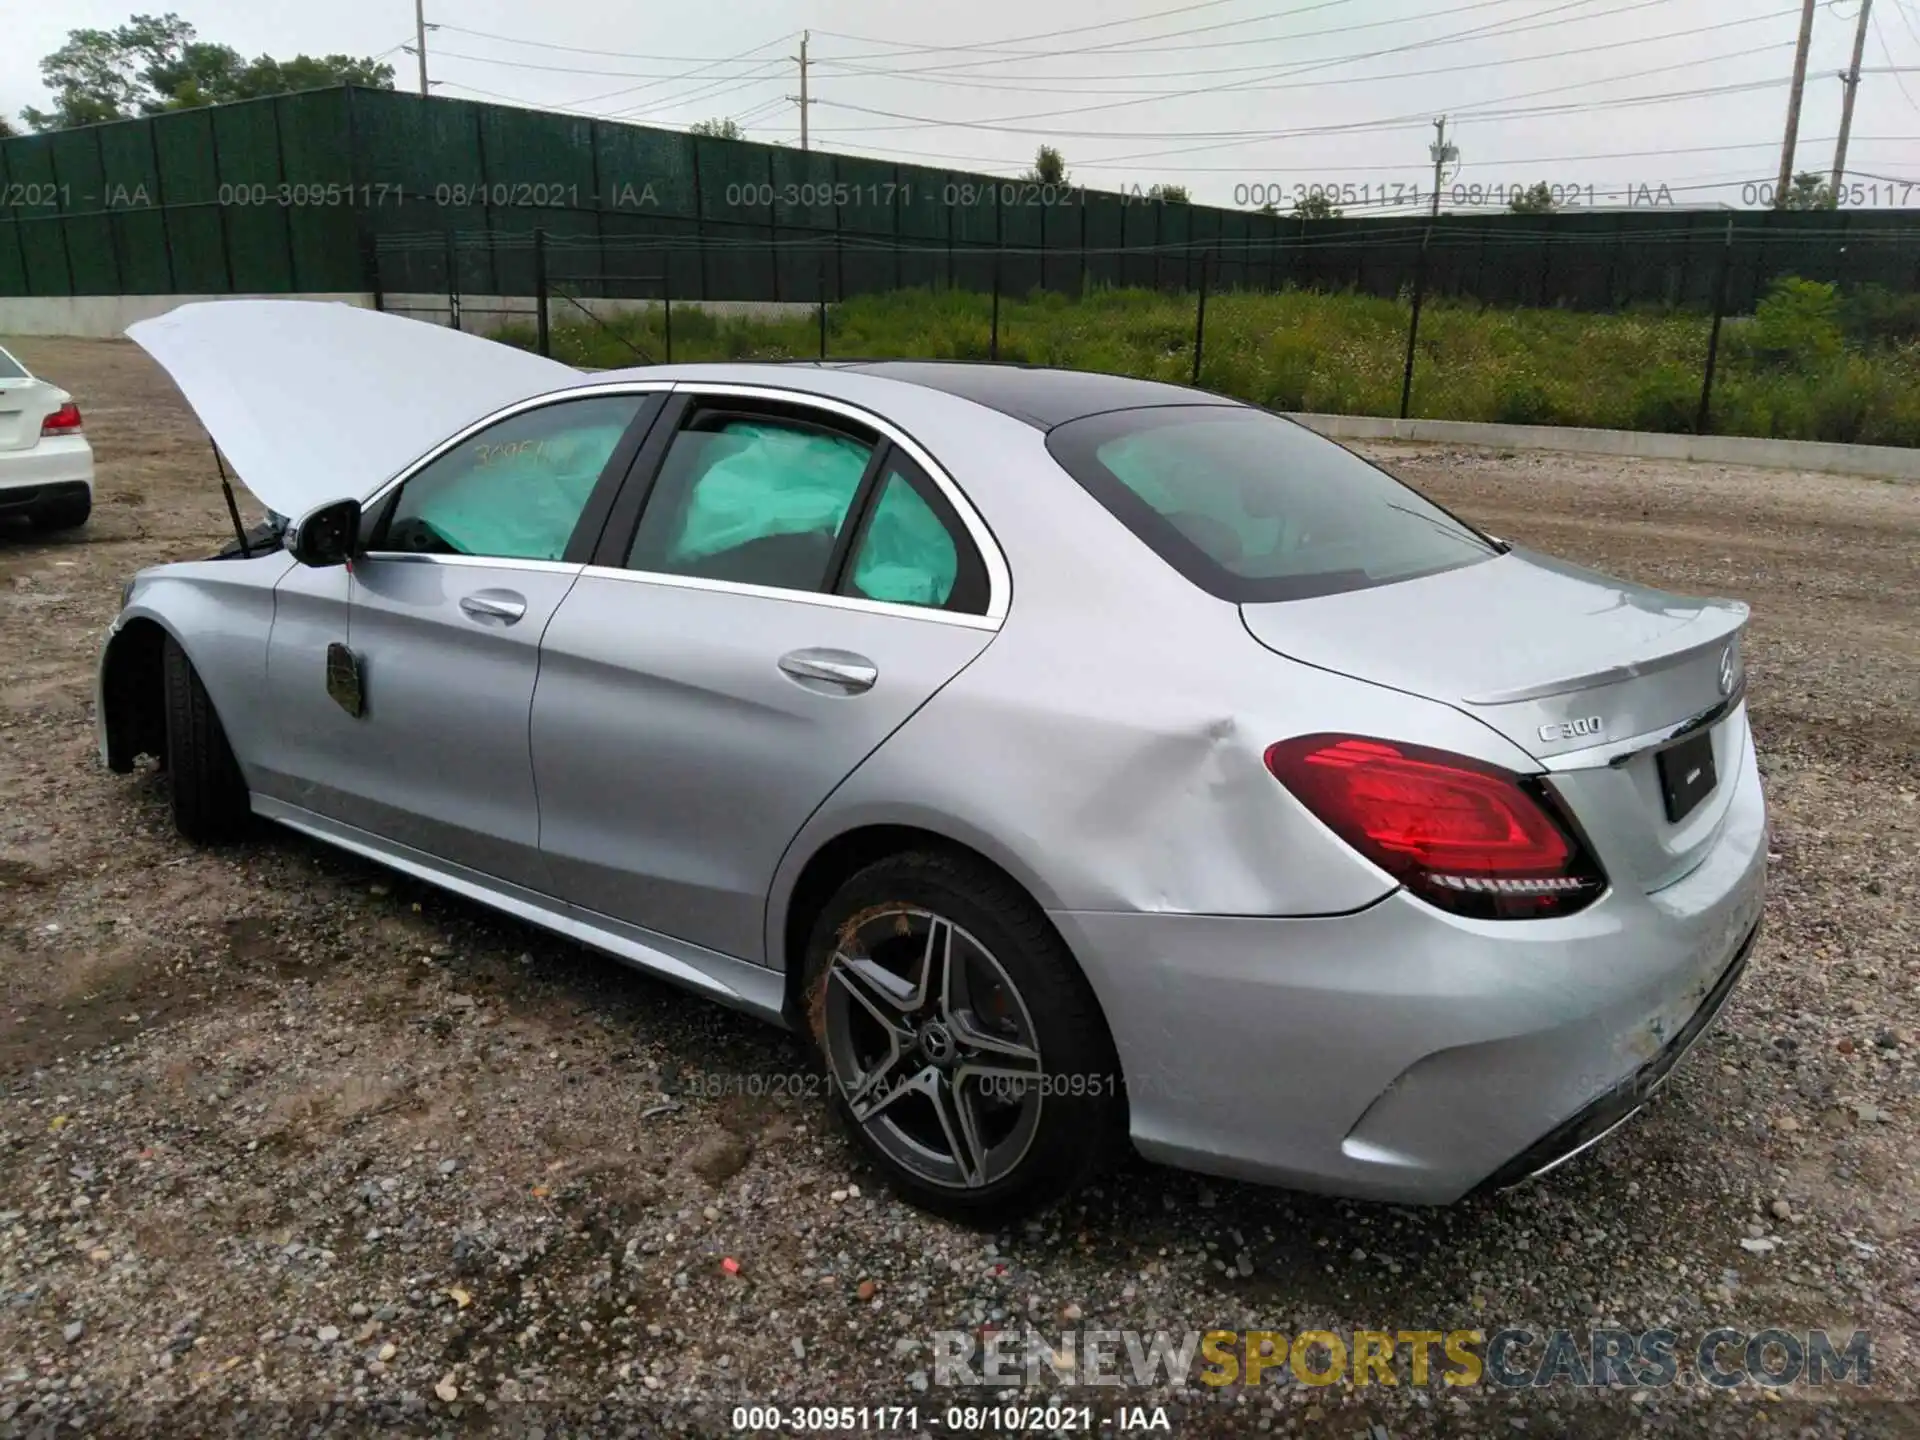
(1071, 760)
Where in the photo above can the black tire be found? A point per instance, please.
(1078, 1124)
(209, 794)
(69, 512)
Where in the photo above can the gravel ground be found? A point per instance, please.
(279, 1130)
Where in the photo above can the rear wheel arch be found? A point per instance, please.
(844, 856)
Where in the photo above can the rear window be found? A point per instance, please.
(1254, 508)
(10, 368)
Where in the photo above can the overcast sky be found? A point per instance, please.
(1220, 95)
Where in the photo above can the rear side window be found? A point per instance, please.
(1255, 508)
(757, 501)
(10, 368)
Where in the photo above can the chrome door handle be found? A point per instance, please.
(839, 672)
(494, 607)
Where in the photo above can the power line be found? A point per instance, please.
(1299, 69)
(615, 54)
(1344, 80)
(1553, 90)
(1401, 22)
(513, 64)
(711, 91)
(998, 46)
(1399, 122)
(1887, 50)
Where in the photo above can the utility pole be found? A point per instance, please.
(1851, 78)
(801, 99)
(420, 39)
(1443, 155)
(1793, 106)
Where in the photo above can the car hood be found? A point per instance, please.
(314, 401)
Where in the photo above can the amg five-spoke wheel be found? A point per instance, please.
(932, 1047)
(962, 1042)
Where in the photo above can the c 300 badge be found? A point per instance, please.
(1573, 729)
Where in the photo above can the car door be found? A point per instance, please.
(781, 585)
(433, 636)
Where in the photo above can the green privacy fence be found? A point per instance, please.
(354, 190)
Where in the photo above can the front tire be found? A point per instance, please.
(69, 512)
(210, 801)
(961, 1042)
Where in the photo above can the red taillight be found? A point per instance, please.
(61, 421)
(1464, 835)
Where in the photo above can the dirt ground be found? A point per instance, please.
(280, 1130)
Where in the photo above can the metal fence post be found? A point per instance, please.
(453, 283)
(1413, 330)
(666, 307)
(541, 321)
(993, 338)
(821, 271)
(160, 195)
(1700, 420)
(370, 265)
(1200, 314)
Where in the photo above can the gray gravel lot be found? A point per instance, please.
(289, 1142)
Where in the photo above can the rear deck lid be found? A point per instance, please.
(1568, 664)
(1555, 657)
(23, 405)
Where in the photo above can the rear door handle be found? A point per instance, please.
(494, 607)
(831, 672)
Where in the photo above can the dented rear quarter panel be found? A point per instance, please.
(1107, 747)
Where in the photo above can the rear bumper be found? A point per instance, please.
(1610, 1111)
(1402, 1054)
(56, 467)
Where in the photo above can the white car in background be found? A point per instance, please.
(46, 464)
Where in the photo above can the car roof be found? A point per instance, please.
(1033, 395)
(1039, 396)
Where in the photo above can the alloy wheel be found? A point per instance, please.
(932, 1047)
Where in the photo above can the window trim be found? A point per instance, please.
(374, 510)
(695, 393)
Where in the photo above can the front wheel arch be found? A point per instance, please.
(132, 693)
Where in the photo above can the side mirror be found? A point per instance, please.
(327, 536)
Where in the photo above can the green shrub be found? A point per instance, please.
(1796, 324)
(1875, 315)
(1665, 398)
(1526, 401)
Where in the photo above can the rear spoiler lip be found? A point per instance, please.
(1733, 611)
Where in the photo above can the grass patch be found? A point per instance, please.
(1810, 365)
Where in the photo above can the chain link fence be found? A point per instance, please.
(1810, 360)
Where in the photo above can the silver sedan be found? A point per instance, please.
(1071, 760)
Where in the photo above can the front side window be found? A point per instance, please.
(1253, 508)
(515, 490)
(751, 499)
